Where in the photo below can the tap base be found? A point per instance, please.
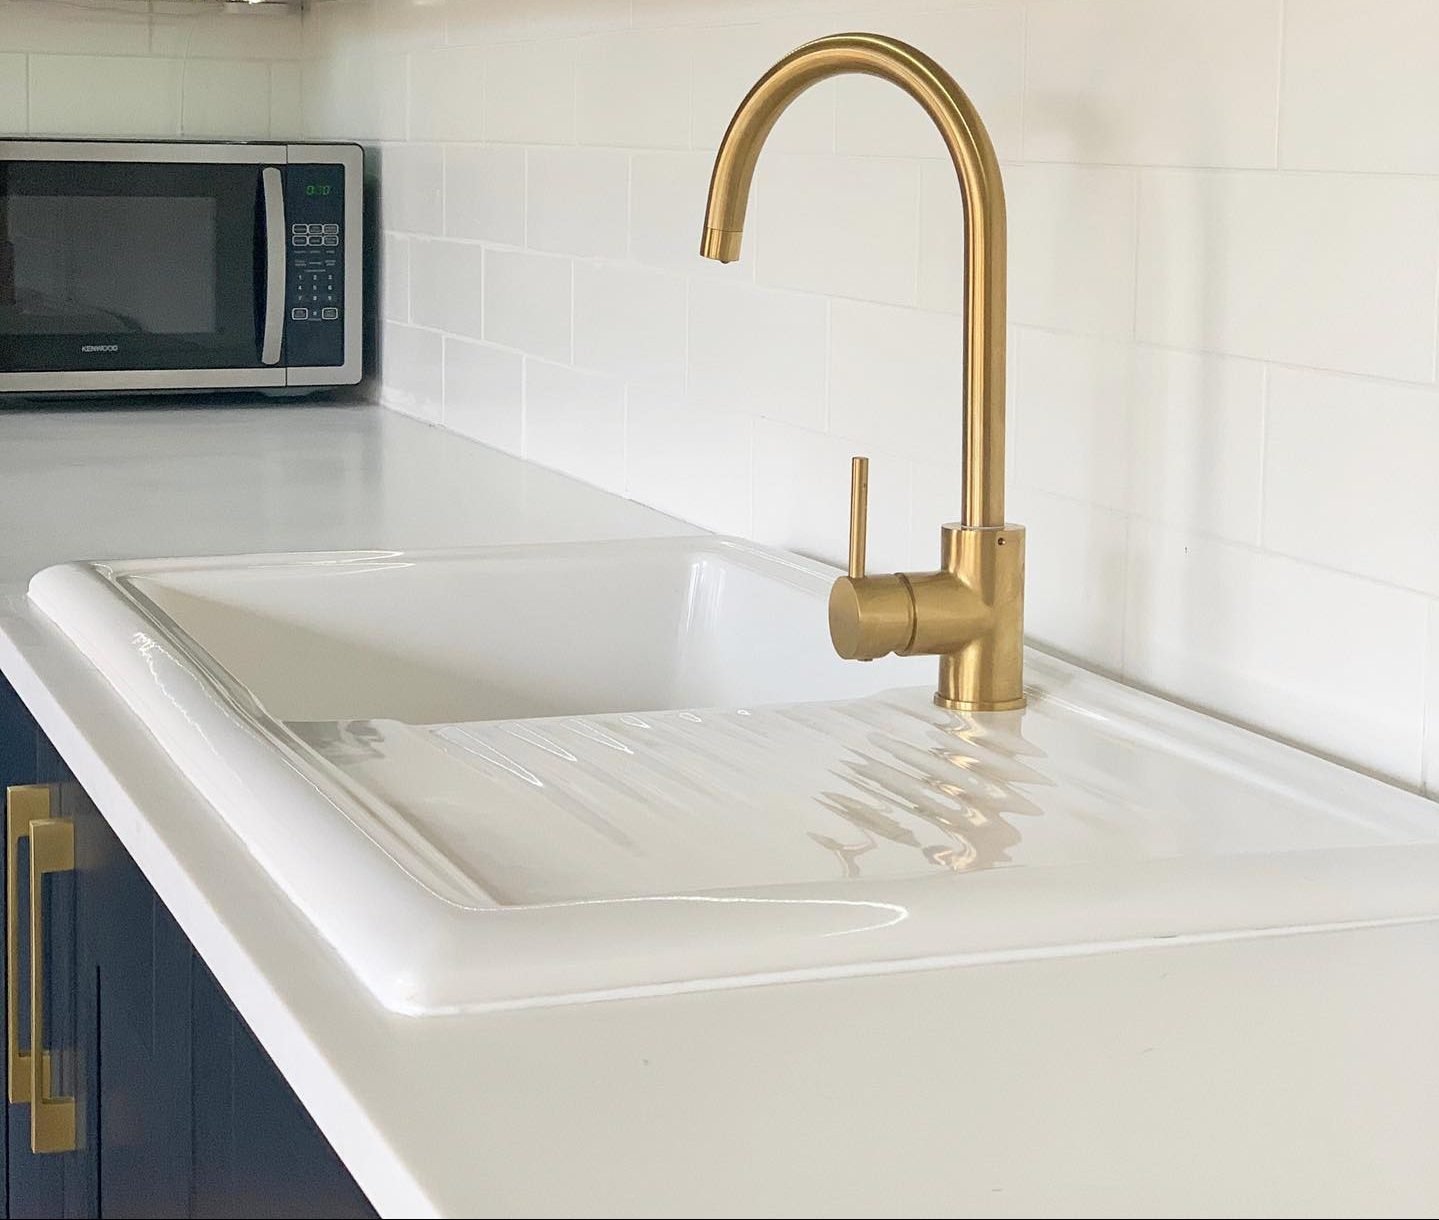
(972, 705)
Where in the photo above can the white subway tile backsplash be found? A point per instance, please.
(104, 95)
(447, 286)
(577, 201)
(1137, 81)
(896, 379)
(1071, 416)
(485, 394)
(1360, 90)
(395, 278)
(447, 93)
(529, 94)
(1072, 239)
(484, 195)
(632, 89)
(412, 180)
(117, 27)
(1328, 270)
(527, 303)
(14, 107)
(843, 226)
(1196, 442)
(693, 463)
(482, 21)
(575, 422)
(414, 370)
(226, 100)
(758, 352)
(629, 321)
(1074, 563)
(1351, 473)
(286, 101)
(1275, 644)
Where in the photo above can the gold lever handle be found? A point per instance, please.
(23, 804)
(52, 1118)
(858, 515)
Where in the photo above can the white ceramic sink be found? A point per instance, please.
(534, 774)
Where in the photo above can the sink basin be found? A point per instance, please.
(526, 775)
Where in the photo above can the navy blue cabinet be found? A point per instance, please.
(178, 1109)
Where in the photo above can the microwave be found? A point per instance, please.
(173, 266)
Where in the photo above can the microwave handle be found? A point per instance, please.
(273, 192)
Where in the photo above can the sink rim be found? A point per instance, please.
(259, 777)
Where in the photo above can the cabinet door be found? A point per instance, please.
(133, 1013)
(34, 1183)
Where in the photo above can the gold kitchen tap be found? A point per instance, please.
(969, 613)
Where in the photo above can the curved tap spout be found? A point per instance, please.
(972, 152)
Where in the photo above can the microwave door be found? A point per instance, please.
(137, 266)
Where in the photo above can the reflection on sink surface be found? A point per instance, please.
(529, 774)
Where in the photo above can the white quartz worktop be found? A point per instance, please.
(1281, 1061)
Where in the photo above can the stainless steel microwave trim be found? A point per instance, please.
(272, 184)
(256, 377)
(139, 150)
(350, 156)
(84, 381)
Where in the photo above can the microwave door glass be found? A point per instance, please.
(130, 266)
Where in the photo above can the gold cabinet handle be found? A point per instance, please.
(52, 1118)
(23, 805)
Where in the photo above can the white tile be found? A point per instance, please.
(633, 89)
(225, 100)
(1360, 89)
(575, 423)
(1325, 270)
(1431, 705)
(485, 394)
(844, 226)
(119, 27)
(412, 369)
(577, 201)
(629, 321)
(477, 21)
(667, 199)
(395, 279)
(527, 303)
(757, 352)
(14, 110)
(447, 94)
(97, 95)
(982, 47)
(212, 31)
(447, 287)
(1308, 654)
(411, 25)
(1071, 246)
(485, 193)
(727, 62)
(801, 496)
(1197, 442)
(354, 87)
(1351, 475)
(287, 110)
(1075, 557)
(1153, 82)
(896, 379)
(695, 464)
(411, 188)
(1071, 418)
(530, 93)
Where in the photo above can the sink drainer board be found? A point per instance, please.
(536, 774)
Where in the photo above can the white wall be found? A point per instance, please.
(157, 68)
(1224, 221)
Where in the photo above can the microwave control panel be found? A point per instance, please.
(315, 283)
